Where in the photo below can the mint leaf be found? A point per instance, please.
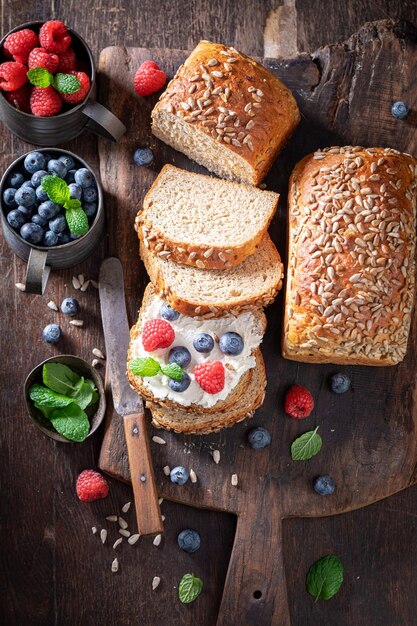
(66, 83)
(46, 397)
(56, 189)
(72, 203)
(306, 446)
(189, 588)
(71, 422)
(173, 370)
(59, 378)
(40, 77)
(146, 366)
(45, 410)
(82, 396)
(77, 221)
(325, 577)
(95, 396)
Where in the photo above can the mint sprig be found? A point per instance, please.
(189, 588)
(325, 577)
(40, 77)
(148, 367)
(63, 83)
(306, 446)
(58, 191)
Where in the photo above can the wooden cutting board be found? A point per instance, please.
(345, 92)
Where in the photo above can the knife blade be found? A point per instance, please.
(127, 403)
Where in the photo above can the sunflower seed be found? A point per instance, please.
(111, 518)
(20, 286)
(103, 535)
(155, 582)
(160, 501)
(75, 282)
(157, 540)
(81, 279)
(193, 476)
(117, 543)
(85, 285)
(217, 74)
(52, 305)
(216, 456)
(167, 470)
(133, 539)
(126, 507)
(208, 253)
(95, 362)
(94, 530)
(124, 532)
(115, 565)
(159, 440)
(98, 353)
(123, 523)
(77, 322)
(200, 264)
(234, 480)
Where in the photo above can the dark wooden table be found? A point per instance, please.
(53, 570)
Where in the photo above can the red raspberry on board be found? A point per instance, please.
(54, 37)
(78, 96)
(67, 61)
(148, 79)
(45, 102)
(39, 57)
(20, 98)
(298, 402)
(210, 376)
(157, 334)
(19, 44)
(91, 486)
(12, 75)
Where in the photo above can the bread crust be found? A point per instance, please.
(264, 110)
(351, 247)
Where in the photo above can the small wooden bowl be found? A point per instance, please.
(82, 368)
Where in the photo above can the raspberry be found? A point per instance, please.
(210, 376)
(54, 37)
(66, 61)
(148, 79)
(91, 486)
(20, 98)
(12, 75)
(19, 44)
(157, 334)
(41, 58)
(298, 402)
(45, 102)
(78, 96)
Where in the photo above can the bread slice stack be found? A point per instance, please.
(205, 246)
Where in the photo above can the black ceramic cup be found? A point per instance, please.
(41, 259)
(51, 131)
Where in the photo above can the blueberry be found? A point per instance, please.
(180, 355)
(67, 161)
(25, 211)
(189, 540)
(27, 183)
(34, 162)
(90, 208)
(57, 168)
(143, 156)
(340, 383)
(58, 224)
(259, 438)
(41, 194)
(70, 306)
(50, 239)
(33, 233)
(231, 343)
(52, 333)
(48, 209)
(25, 196)
(179, 475)
(75, 191)
(324, 485)
(63, 238)
(69, 178)
(8, 197)
(90, 194)
(168, 313)
(400, 110)
(203, 342)
(180, 385)
(16, 219)
(37, 219)
(16, 180)
(37, 178)
(84, 178)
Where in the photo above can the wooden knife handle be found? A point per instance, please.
(148, 513)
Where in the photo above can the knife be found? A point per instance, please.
(127, 402)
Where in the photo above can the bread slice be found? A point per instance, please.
(212, 293)
(181, 421)
(202, 221)
(137, 382)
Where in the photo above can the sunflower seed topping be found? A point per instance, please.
(155, 582)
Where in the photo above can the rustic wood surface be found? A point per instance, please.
(53, 570)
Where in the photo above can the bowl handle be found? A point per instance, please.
(37, 272)
(103, 122)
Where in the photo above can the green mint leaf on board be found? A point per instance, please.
(189, 588)
(306, 446)
(83, 395)
(66, 83)
(45, 410)
(173, 370)
(77, 221)
(46, 397)
(40, 77)
(59, 378)
(146, 366)
(56, 189)
(73, 203)
(71, 422)
(325, 577)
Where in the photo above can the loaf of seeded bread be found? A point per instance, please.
(211, 293)
(227, 112)
(181, 421)
(202, 221)
(351, 271)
